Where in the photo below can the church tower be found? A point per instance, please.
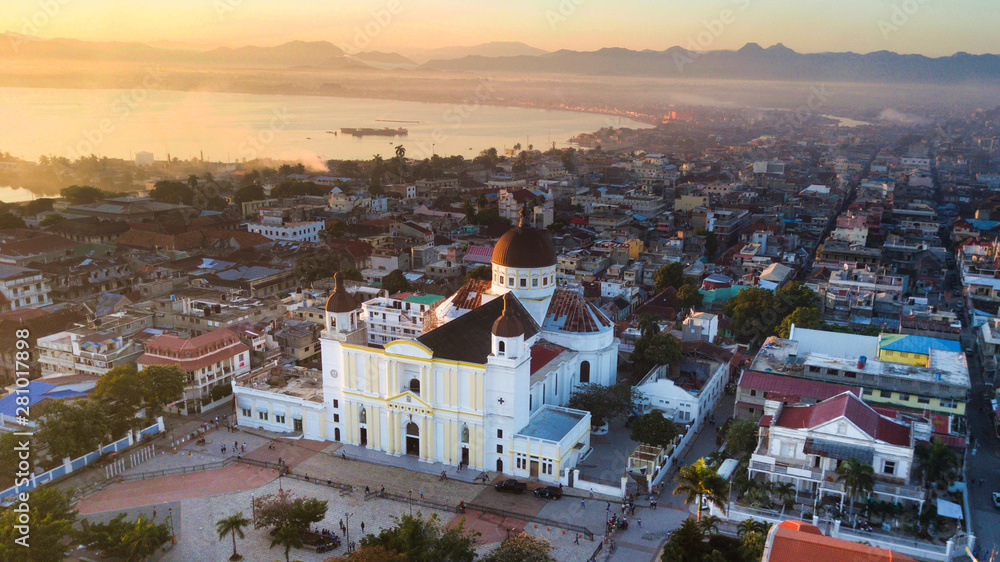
(342, 326)
(507, 387)
(524, 263)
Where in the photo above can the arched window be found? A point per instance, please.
(465, 434)
(363, 416)
(501, 347)
(415, 386)
(585, 371)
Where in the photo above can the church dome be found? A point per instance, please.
(508, 325)
(339, 300)
(524, 246)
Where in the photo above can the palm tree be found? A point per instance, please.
(192, 181)
(751, 526)
(710, 524)
(700, 482)
(715, 458)
(935, 463)
(784, 491)
(858, 477)
(232, 525)
(288, 537)
(400, 156)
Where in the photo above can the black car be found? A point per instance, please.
(549, 493)
(511, 486)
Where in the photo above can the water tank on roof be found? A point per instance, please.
(861, 362)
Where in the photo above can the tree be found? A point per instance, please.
(284, 510)
(568, 159)
(521, 547)
(51, 513)
(72, 428)
(8, 220)
(395, 282)
(290, 188)
(81, 194)
(857, 477)
(604, 402)
(753, 314)
(659, 348)
(52, 219)
(288, 537)
(124, 540)
(752, 546)
(378, 170)
(710, 524)
(711, 244)
(314, 265)
(40, 205)
(482, 272)
(9, 458)
(348, 169)
(802, 318)
(426, 540)
(488, 158)
(688, 296)
(670, 275)
(232, 525)
(700, 482)
(168, 191)
(252, 192)
(130, 390)
(741, 438)
(686, 544)
(654, 429)
(795, 295)
(785, 491)
(935, 463)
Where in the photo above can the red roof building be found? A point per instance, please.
(795, 541)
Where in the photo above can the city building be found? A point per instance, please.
(397, 317)
(210, 360)
(22, 287)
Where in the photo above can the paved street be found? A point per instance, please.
(982, 463)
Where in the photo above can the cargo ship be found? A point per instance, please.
(383, 132)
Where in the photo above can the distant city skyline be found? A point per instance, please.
(925, 27)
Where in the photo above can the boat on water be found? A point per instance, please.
(383, 132)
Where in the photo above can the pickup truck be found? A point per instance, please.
(511, 486)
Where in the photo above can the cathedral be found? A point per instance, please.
(485, 385)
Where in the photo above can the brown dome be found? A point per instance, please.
(524, 246)
(508, 325)
(339, 300)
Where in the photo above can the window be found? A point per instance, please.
(534, 282)
(923, 400)
(363, 416)
(510, 281)
(246, 412)
(415, 386)
(948, 403)
(524, 282)
(885, 394)
(336, 418)
(585, 372)
(501, 347)
(869, 392)
(904, 397)
(262, 415)
(500, 448)
(336, 403)
(753, 392)
(889, 467)
(499, 434)
(545, 281)
(279, 419)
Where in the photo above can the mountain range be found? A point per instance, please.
(751, 62)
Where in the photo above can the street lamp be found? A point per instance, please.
(347, 531)
(253, 509)
(170, 518)
(411, 503)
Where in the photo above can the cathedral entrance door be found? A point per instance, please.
(364, 436)
(465, 456)
(412, 439)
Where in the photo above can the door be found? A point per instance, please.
(364, 436)
(412, 439)
(298, 425)
(336, 434)
(534, 469)
(465, 456)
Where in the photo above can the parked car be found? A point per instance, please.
(996, 500)
(549, 493)
(511, 486)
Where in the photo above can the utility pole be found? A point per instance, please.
(347, 531)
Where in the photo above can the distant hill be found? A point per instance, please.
(493, 49)
(752, 62)
(384, 60)
(292, 54)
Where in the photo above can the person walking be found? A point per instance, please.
(577, 539)
(362, 527)
(583, 503)
(421, 493)
(638, 522)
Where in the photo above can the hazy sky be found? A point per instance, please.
(931, 27)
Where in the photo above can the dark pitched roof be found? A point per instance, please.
(467, 338)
